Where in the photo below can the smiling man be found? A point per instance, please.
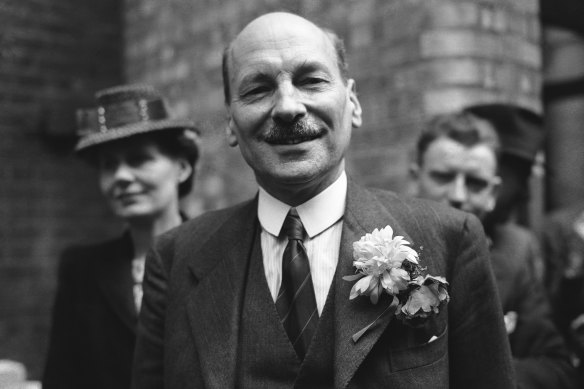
(253, 296)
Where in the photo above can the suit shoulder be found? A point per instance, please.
(202, 227)
(430, 211)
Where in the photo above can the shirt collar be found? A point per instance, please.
(317, 214)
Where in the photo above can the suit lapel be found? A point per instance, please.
(114, 278)
(215, 304)
(363, 214)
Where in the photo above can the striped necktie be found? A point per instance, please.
(296, 303)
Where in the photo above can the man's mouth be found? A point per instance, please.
(292, 140)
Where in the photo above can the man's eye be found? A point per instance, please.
(476, 184)
(311, 81)
(442, 177)
(255, 91)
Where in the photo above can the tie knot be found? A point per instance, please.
(293, 228)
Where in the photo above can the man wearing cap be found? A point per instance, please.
(521, 136)
(457, 164)
(266, 295)
(563, 241)
(145, 163)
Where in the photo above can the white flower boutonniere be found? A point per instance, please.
(386, 264)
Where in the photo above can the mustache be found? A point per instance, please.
(299, 130)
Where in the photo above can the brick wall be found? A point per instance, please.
(53, 55)
(410, 58)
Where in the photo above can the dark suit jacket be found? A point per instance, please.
(560, 241)
(189, 324)
(540, 354)
(94, 319)
(566, 293)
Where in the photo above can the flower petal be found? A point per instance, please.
(360, 287)
(353, 277)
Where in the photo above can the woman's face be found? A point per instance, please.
(138, 180)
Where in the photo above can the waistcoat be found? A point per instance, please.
(266, 358)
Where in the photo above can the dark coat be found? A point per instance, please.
(94, 319)
(540, 355)
(563, 245)
(189, 328)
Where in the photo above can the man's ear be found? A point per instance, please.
(495, 187)
(230, 133)
(356, 119)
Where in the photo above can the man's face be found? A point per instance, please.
(464, 177)
(291, 113)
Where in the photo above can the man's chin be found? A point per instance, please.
(298, 175)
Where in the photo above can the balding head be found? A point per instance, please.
(259, 29)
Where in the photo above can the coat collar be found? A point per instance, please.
(114, 278)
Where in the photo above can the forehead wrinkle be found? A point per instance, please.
(269, 68)
(272, 36)
(454, 156)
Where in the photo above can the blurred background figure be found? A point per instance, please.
(521, 134)
(145, 162)
(457, 164)
(563, 240)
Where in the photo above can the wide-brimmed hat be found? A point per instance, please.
(124, 111)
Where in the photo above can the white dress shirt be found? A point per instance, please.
(322, 217)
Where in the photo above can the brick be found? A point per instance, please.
(362, 12)
(526, 6)
(445, 43)
(455, 71)
(401, 23)
(494, 19)
(449, 14)
(533, 31)
(523, 52)
(445, 100)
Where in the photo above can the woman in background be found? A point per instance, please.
(145, 163)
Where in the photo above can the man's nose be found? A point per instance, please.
(458, 193)
(288, 106)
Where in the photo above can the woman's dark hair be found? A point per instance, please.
(179, 143)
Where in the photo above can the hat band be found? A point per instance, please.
(130, 112)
